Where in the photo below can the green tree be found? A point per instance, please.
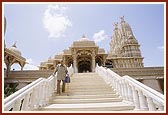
(10, 89)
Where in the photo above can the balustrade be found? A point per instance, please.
(141, 96)
(34, 95)
(39, 92)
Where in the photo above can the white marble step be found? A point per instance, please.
(87, 100)
(95, 87)
(114, 106)
(95, 90)
(88, 92)
(64, 96)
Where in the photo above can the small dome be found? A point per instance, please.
(14, 49)
(84, 38)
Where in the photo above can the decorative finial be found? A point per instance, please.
(115, 24)
(83, 36)
(49, 57)
(14, 45)
(122, 18)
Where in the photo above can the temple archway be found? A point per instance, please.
(99, 60)
(84, 63)
(68, 61)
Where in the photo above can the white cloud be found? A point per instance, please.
(30, 61)
(30, 65)
(100, 36)
(55, 20)
(160, 48)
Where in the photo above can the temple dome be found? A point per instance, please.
(15, 49)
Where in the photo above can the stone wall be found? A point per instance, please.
(27, 75)
(141, 73)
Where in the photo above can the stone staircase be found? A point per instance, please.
(88, 92)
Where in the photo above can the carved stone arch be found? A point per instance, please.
(83, 52)
(51, 67)
(68, 61)
(99, 60)
(84, 63)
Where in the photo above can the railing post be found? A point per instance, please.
(47, 93)
(151, 104)
(42, 96)
(119, 87)
(37, 95)
(26, 102)
(17, 105)
(142, 100)
(160, 107)
(34, 98)
(55, 86)
(135, 99)
(122, 89)
(130, 94)
(125, 90)
(50, 89)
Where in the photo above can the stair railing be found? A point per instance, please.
(132, 91)
(34, 95)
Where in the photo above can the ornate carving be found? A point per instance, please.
(115, 24)
(122, 18)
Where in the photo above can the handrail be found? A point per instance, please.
(9, 98)
(31, 96)
(34, 95)
(157, 96)
(132, 91)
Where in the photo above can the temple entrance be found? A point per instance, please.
(99, 60)
(84, 63)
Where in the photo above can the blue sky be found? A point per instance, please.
(43, 30)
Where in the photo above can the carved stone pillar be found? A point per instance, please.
(9, 60)
(93, 61)
(75, 61)
(8, 67)
(22, 64)
(75, 65)
(104, 60)
(93, 64)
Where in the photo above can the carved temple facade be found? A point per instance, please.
(124, 57)
(84, 54)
